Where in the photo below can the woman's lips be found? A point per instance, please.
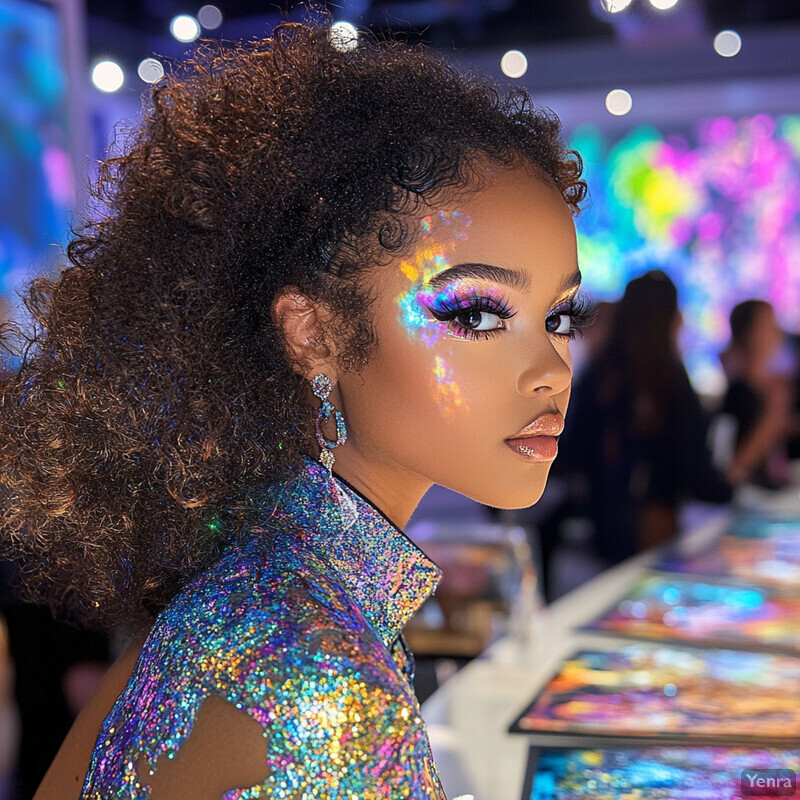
(535, 448)
(538, 441)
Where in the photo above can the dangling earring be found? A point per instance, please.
(321, 386)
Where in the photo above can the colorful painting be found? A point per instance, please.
(659, 773)
(674, 608)
(773, 561)
(670, 694)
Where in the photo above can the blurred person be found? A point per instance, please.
(636, 437)
(758, 398)
(327, 280)
(9, 719)
(593, 337)
(793, 447)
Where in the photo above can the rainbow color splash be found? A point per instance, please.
(439, 235)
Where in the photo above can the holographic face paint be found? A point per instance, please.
(439, 236)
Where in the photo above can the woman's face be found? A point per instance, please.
(765, 335)
(473, 331)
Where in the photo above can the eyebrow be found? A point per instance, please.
(572, 282)
(510, 277)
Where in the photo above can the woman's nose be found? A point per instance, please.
(548, 372)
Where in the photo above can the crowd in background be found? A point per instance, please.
(639, 443)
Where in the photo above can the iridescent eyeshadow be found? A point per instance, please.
(299, 628)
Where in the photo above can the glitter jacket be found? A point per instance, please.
(299, 628)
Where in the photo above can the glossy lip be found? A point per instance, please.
(544, 425)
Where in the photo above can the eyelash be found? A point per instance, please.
(581, 313)
(579, 309)
(448, 312)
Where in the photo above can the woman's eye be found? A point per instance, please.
(479, 320)
(472, 318)
(559, 324)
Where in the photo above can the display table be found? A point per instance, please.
(469, 715)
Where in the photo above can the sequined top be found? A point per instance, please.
(300, 628)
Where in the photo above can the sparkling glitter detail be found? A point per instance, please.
(327, 458)
(321, 386)
(300, 628)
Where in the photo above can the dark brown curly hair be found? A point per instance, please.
(155, 398)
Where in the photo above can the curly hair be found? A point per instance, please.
(155, 396)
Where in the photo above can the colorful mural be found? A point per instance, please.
(35, 169)
(718, 209)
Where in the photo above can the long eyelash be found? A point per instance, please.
(582, 312)
(448, 310)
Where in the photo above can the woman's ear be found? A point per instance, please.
(305, 324)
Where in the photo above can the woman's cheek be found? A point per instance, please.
(446, 390)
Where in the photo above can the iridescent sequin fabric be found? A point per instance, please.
(299, 628)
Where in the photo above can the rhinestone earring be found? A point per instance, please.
(321, 386)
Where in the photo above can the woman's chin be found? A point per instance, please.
(512, 493)
(519, 499)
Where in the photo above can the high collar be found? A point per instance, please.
(387, 574)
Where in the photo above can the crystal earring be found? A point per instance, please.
(321, 386)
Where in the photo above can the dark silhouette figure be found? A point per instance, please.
(759, 399)
(636, 432)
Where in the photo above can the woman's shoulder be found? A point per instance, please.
(261, 597)
(266, 631)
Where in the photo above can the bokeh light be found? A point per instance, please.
(619, 102)
(150, 70)
(185, 28)
(663, 5)
(108, 76)
(210, 17)
(727, 43)
(514, 64)
(615, 6)
(344, 36)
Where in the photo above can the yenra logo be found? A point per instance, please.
(768, 782)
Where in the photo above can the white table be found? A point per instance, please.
(468, 717)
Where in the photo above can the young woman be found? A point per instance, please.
(758, 399)
(326, 281)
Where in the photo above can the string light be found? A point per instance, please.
(210, 17)
(615, 6)
(514, 64)
(344, 36)
(108, 76)
(727, 43)
(185, 28)
(619, 102)
(150, 70)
